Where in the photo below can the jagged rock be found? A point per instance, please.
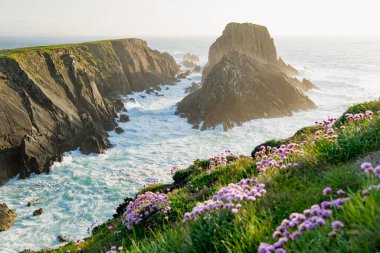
(31, 202)
(241, 88)
(193, 88)
(197, 69)
(249, 39)
(307, 85)
(119, 130)
(51, 96)
(149, 91)
(190, 57)
(188, 64)
(38, 212)
(7, 217)
(244, 80)
(287, 68)
(94, 144)
(123, 118)
(63, 238)
(190, 60)
(183, 75)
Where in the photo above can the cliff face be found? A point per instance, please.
(248, 39)
(244, 80)
(241, 88)
(55, 99)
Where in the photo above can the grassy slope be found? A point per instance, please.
(324, 164)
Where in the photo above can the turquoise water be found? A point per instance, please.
(84, 189)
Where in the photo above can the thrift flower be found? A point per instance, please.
(337, 225)
(327, 191)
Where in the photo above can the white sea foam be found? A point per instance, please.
(83, 189)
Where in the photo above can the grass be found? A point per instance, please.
(16, 52)
(333, 164)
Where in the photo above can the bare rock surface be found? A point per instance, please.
(7, 217)
(244, 80)
(240, 88)
(56, 99)
(38, 212)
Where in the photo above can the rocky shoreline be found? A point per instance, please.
(58, 98)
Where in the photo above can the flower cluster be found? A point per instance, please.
(272, 157)
(221, 159)
(369, 169)
(325, 130)
(359, 116)
(291, 229)
(145, 206)
(114, 249)
(229, 197)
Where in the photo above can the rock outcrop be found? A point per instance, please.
(7, 217)
(55, 99)
(249, 39)
(244, 80)
(193, 88)
(240, 88)
(38, 212)
(190, 60)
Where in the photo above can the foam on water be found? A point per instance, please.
(83, 189)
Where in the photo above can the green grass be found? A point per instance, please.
(293, 190)
(16, 52)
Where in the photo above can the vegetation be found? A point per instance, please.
(14, 53)
(295, 173)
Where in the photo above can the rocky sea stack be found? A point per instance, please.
(244, 80)
(58, 98)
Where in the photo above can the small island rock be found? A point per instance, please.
(7, 217)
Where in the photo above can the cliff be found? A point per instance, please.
(244, 80)
(240, 88)
(249, 39)
(58, 98)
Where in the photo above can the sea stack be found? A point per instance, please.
(55, 99)
(244, 80)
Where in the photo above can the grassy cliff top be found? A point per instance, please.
(320, 170)
(10, 53)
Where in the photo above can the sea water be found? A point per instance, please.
(82, 190)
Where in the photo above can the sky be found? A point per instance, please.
(186, 17)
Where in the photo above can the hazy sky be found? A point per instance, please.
(186, 17)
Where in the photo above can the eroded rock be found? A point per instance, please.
(7, 217)
(123, 118)
(63, 238)
(240, 88)
(244, 80)
(119, 130)
(38, 212)
(31, 202)
(58, 99)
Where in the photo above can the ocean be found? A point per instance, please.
(82, 190)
